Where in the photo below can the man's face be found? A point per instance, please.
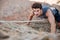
(37, 11)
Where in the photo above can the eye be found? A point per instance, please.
(37, 10)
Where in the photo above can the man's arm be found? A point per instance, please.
(51, 20)
(30, 18)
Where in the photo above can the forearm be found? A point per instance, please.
(29, 19)
(51, 20)
(53, 28)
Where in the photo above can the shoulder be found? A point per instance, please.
(49, 13)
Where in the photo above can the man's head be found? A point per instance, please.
(36, 7)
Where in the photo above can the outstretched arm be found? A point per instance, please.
(30, 18)
(51, 20)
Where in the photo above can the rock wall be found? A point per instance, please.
(24, 32)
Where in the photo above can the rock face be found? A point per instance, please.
(20, 32)
(24, 32)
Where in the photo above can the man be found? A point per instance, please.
(52, 14)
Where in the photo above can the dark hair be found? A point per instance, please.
(37, 5)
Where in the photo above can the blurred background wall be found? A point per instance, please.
(20, 9)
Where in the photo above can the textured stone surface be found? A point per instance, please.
(20, 32)
(24, 32)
